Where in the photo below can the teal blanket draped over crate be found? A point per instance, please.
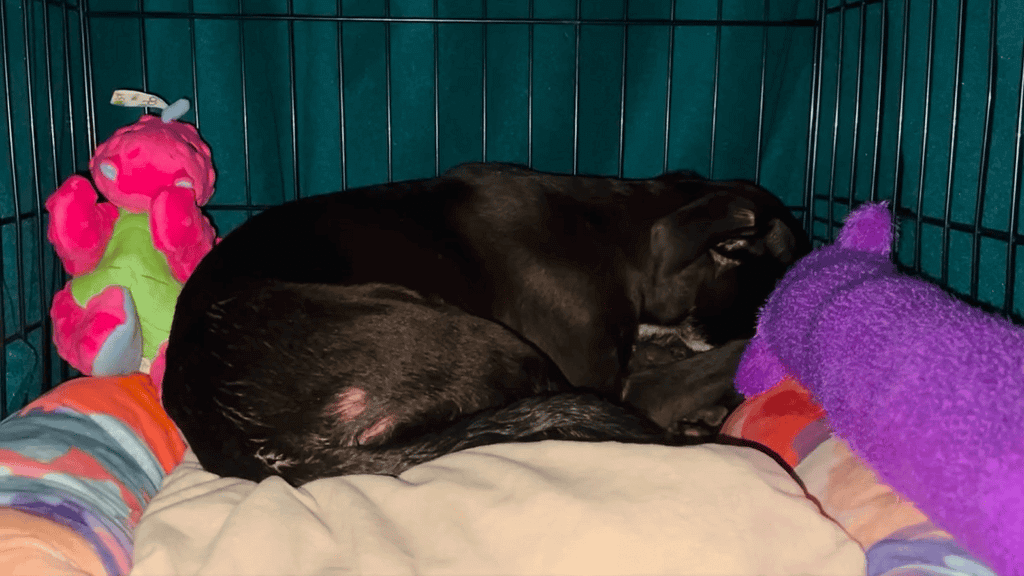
(295, 102)
(471, 58)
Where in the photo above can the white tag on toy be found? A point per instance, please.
(136, 99)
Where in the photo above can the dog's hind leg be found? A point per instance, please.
(564, 416)
(311, 369)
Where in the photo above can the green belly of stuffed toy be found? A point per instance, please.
(131, 261)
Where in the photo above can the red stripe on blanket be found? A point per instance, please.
(132, 399)
(784, 418)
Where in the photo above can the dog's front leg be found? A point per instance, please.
(690, 396)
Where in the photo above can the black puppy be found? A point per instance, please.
(370, 330)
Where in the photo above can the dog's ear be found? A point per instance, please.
(778, 239)
(773, 231)
(719, 221)
(721, 254)
(693, 245)
(786, 243)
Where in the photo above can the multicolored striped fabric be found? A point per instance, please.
(89, 455)
(899, 539)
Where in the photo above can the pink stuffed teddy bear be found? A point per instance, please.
(130, 255)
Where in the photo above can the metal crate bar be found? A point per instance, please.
(983, 165)
(954, 125)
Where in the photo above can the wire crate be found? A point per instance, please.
(828, 103)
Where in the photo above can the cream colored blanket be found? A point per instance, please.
(538, 508)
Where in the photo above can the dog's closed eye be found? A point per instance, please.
(732, 245)
(731, 252)
(779, 241)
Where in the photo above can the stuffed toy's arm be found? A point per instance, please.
(80, 227)
(180, 230)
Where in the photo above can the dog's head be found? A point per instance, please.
(714, 261)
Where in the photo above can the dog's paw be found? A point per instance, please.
(701, 423)
(712, 415)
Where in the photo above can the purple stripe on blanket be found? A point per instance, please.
(925, 557)
(113, 547)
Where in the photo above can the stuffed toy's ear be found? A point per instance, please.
(868, 229)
